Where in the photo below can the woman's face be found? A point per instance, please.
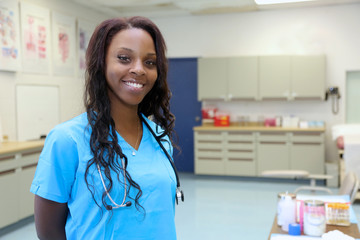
(130, 67)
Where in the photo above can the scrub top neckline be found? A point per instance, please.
(128, 146)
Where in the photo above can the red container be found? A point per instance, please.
(222, 120)
(208, 113)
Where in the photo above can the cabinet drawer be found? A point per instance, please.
(211, 145)
(240, 146)
(273, 137)
(28, 158)
(210, 136)
(7, 162)
(209, 153)
(209, 166)
(240, 136)
(308, 137)
(238, 155)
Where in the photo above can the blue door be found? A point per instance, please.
(184, 105)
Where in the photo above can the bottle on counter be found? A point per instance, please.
(287, 211)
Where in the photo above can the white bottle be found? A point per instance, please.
(288, 212)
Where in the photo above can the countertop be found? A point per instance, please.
(13, 147)
(257, 128)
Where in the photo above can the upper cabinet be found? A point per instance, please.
(262, 78)
(228, 78)
(243, 78)
(292, 77)
(308, 77)
(274, 77)
(212, 78)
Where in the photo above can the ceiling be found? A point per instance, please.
(168, 8)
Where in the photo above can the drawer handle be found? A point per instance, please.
(7, 172)
(239, 150)
(7, 157)
(306, 143)
(209, 141)
(29, 166)
(278, 143)
(310, 134)
(209, 150)
(240, 142)
(240, 133)
(210, 159)
(241, 159)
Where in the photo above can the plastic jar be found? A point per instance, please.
(281, 207)
(314, 218)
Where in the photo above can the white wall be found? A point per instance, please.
(71, 88)
(332, 30)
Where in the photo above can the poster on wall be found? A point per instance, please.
(35, 33)
(84, 32)
(63, 39)
(9, 36)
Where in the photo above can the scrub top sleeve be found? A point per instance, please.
(56, 169)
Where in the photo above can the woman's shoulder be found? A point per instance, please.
(154, 126)
(72, 127)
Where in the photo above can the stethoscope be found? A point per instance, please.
(179, 195)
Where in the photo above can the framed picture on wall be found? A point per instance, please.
(9, 36)
(35, 33)
(84, 32)
(63, 39)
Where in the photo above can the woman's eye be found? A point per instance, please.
(151, 62)
(123, 58)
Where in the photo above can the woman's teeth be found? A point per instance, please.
(135, 85)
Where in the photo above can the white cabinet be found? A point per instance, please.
(232, 78)
(292, 77)
(16, 174)
(239, 152)
(274, 77)
(212, 78)
(243, 78)
(273, 151)
(308, 77)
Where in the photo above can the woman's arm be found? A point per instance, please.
(50, 219)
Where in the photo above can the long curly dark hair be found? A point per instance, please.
(103, 140)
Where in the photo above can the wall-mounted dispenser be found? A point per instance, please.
(334, 94)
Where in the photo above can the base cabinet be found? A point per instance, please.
(16, 175)
(249, 153)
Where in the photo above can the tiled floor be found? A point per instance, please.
(218, 208)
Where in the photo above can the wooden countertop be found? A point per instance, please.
(13, 147)
(257, 128)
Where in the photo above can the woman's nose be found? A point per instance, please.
(137, 68)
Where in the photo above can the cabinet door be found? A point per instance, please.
(212, 78)
(274, 77)
(272, 152)
(307, 152)
(243, 78)
(308, 77)
(26, 174)
(9, 198)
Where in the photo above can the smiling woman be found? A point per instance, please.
(111, 153)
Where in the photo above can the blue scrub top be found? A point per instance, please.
(60, 177)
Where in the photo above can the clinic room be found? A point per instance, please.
(187, 119)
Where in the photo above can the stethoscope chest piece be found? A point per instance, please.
(179, 195)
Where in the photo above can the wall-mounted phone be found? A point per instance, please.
(334, 94)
